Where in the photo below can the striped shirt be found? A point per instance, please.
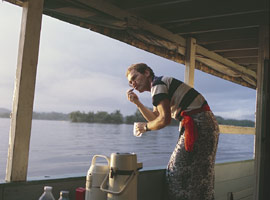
(181, 96)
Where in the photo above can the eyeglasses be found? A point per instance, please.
(133, 78)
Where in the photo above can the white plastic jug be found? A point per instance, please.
(95, 175)
(47, 195)
(121, 182)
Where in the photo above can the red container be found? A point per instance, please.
(80, 193)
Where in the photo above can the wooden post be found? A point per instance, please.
(190, 61)
(262, 149)
(21, 119)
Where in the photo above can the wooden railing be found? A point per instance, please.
(236, 130)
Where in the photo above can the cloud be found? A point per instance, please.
(89, 92)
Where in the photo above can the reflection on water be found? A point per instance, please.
(60, 147)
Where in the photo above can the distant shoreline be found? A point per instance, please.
(108, 118)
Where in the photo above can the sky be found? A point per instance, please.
(80, 70)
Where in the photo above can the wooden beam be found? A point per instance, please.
(252, 67)
(190, 61)
(246, 61)
(202, 10)
(174, 54)
(16, 2)
(262, 148)
(22, 110)
(139, 5)
(236, 130)
(226, 35)
(234, 45)
(133, 21)
(209, 54)
(205, 68)
(225, 70)
(167, 49)
(219, 23)
(240, 54)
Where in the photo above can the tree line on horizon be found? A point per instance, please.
(115, 117)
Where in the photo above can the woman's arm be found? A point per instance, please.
(164, 116)
(147, 113)
(163, 119)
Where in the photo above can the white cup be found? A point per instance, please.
(135, 132)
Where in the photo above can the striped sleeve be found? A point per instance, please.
(159, 91)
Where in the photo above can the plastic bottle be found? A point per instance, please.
(64, 195)
(47, 195)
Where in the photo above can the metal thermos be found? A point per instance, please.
(121, 181)
(95, 176)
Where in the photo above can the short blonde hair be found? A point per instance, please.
(140, 67)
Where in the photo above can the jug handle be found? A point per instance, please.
(122, 189)
(101, 156)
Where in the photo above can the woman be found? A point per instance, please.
(190, 172)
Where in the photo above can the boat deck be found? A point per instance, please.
(233, 179)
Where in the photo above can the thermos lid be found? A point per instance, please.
(124, 161)
(122, 153)
(98, 168)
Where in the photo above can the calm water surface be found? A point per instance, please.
(61, 147)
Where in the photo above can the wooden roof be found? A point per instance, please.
(226, 31)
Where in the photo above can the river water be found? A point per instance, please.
(65, 148)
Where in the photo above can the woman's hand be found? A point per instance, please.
(140, 128)
(132, 97)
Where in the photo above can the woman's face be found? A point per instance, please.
(139, 81)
